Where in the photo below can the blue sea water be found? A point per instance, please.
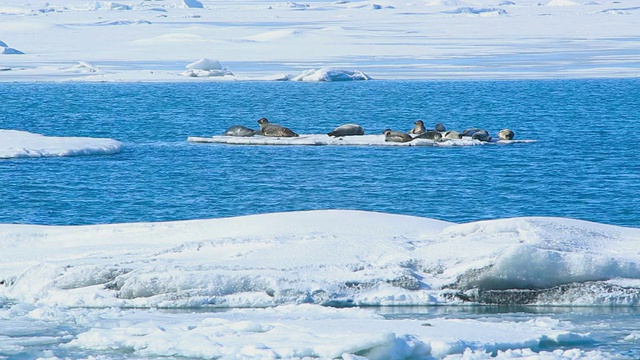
(584, 163)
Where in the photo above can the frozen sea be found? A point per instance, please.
(141, 244)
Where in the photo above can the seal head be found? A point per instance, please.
(506, 134)
(418, 128)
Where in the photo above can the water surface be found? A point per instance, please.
(583, 165)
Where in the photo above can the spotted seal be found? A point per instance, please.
(482, 135)
(506, 134)
(469, 132)
(239, 130)
(451, 134)
(275, 130)
(477, 134)
(396, 136)
(430, 135)
(418, 128)
(347, 130)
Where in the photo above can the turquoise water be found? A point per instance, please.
(584, 163)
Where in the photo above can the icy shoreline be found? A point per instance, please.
(332, 257)
(293, 285)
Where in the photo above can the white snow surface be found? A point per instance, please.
(270, 275)
(360, 140)
(325, 257)
(257, 40)
(288, 332)
(21, 144)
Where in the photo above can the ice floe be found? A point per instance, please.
(20, 144)
(331, 257)
(361, 140)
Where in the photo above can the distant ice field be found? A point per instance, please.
(266, 40)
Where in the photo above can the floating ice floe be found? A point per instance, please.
(18, 144)
(360, 140)
(284, 332)
(206, 68)
(318, 333)
(331, 74)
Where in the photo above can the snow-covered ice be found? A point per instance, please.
(15, 144)
(287, 267)
(360, 140)
(257, 40)
(290, 332)
(327, 257)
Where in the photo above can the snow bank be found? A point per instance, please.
(14, 144)
(206, 68)
(97, 289)
(322, 257)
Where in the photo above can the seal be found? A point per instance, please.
(452, 134)
(482, 135)
(477, 134)
(347, 130)
(469, 132)
(396, 136)
(506, 134)
(430, 135)
(418, 128)
(275, 130)
(239, 130)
